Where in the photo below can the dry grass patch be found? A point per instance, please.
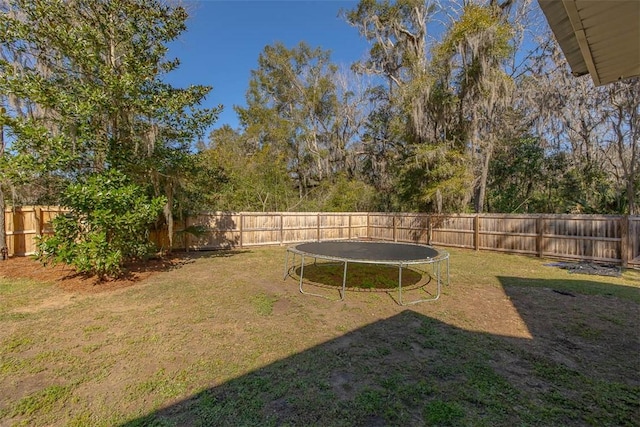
(222, 339)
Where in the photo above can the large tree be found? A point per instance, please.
(249, 177)
(83, 78)
(397, 33)
(292, 106)
(622, 137)
(446, 102)
(594, 128)
(3, 236)
(470, 65)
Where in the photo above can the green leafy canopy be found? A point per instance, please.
(106, 226)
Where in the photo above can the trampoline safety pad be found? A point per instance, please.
(402, 255)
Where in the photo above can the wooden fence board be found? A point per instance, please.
(633, 241)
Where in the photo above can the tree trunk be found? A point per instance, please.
(3, 233)
(633, 208)
(168, 213)
(481, 186)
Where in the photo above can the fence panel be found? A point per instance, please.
(339, 226)
(412, 228)
(300, 227)
(258, 229)
(508, 233)
(205, 231)
(358, 226)
(455, 230)
(160, 237)
(380, 226)
(20, 231)
(24, 223)
(588, 237)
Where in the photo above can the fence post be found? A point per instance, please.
(38, 219)
(318, 226)
(349, 235)
(540, 236)
(281, 229)
(395, 236)
(240, 226)
(476, 232)
(368, 232)
(429, 230)
(625, 237)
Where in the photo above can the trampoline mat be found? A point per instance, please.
(369, 251)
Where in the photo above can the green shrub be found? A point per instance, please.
(107, 225)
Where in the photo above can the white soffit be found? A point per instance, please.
(598, 37)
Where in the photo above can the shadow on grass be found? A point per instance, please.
(133, 271)
(220, 253)
(361, 277)
(576, 286)
(578, 367)
(176, 260)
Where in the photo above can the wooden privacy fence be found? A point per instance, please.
(24, 224)
(604, 238)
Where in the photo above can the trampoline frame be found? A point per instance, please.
(436, 262)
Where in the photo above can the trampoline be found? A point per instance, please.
(402, 255)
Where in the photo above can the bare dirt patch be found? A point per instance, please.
(69, 280)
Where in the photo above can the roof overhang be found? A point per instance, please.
(598, 37)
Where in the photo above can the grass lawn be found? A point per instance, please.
(222, 339)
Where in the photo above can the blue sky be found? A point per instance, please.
(225, 37)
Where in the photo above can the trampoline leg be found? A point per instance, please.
(437, 271)
(301, 273)
(344, 282)
(342, 291)
(286, 265)
(439, 279)
(447, 271)
(400, 284)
